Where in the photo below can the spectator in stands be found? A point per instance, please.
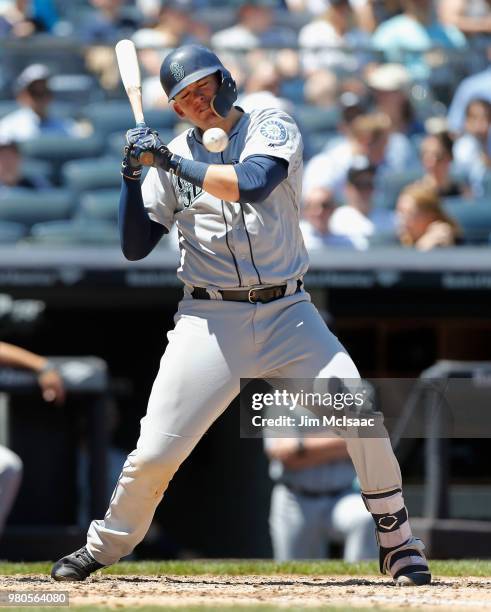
(390, 84)
(422, 222)
(53, 391)
(108, 23)
(477, 86)
(358, 220)
(472, 17)
(472, 150)
(405, 38)
(366, 12)
(254, 28)
(262, 89)
(369, 135)
(321, 88)
(317, 210)
(436, 158)
(174, 27)
(22, 18)
(34, 118)
(11, 174)
(330, 41)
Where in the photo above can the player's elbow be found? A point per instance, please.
(254, 195)
(132, 253)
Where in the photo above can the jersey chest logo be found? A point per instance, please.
(186, 192)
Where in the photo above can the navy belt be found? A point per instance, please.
(257, 294)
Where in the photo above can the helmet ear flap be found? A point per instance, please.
(226, 95)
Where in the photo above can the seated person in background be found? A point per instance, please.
(390, 84)
(329, 41)
(33, 118)
(405, 38)
(11, 169)
(422, 222)
(472, 151)
(318, 207)
(357, 220)
(20, 19)
(262, 89)
(109, 23)
(53, 391)
(472, 17)
(436, 158)
(368, 135)
(474, 87)
(254, 28)
(174, 27)
(315, 500)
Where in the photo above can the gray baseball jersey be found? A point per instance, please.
(228, 244)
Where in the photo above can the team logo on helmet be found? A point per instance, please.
(177, 71)
(274, 131)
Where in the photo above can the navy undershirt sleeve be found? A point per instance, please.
(258, 176)
(138, 233)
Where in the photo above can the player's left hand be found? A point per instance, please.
(151, 143)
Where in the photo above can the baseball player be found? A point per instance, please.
(244, 313)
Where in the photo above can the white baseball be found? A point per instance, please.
(215, 140)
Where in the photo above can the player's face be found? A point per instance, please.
(194, 102)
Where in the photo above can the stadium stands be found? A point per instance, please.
(28, 207)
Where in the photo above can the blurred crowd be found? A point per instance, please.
(393, 98)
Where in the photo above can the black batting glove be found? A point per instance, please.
(159, 155)
(130, 167)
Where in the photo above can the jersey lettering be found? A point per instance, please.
(186, 192)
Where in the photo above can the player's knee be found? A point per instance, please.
(148, 461)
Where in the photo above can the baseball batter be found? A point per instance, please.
(245, 312)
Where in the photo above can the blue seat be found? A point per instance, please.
(391, 184)
(28, 206)
(32, 168)
(100, 205)
(473, 216)
(116, 116)
(75, 231)
(317, 119)
(61, 148)
(91, 174)
(11, 232)
(80, 88)
(8, 106)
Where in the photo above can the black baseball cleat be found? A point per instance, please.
(75, 567)
(407, 564)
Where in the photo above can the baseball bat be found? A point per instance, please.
(129, 71)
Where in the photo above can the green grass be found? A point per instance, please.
(205, 608)
(468, 567)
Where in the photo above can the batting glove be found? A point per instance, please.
(160, 155)
(133, 135)
(130, 167)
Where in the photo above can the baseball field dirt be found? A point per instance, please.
(311, 590)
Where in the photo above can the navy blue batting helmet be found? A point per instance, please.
(190, 63)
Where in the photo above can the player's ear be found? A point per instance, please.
(178, 110)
